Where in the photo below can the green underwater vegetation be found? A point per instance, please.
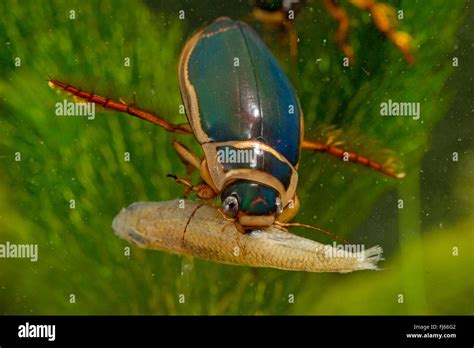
(46, 161)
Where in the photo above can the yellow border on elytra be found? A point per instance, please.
(188, 91)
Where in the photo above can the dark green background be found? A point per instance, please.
(73, 158)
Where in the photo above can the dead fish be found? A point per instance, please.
(199, 230)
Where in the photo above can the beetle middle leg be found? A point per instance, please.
(203, 190)
(189, 159)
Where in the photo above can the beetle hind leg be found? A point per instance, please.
(331, 148)
(121, 106)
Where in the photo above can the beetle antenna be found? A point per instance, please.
(297, 224)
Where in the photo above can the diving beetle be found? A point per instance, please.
(237, 98)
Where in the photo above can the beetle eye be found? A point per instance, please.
(231, 205)
(279, 206)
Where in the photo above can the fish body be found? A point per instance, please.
(201, 231)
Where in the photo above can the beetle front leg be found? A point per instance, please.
(290, 211)
(203, 190)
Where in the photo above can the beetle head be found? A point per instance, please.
(251, 203)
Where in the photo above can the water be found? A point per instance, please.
(64, 179)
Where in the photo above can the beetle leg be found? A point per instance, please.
(339, 14)
(384, 18)
(236, 223)
(203, 190)
(193, 162)
(186, 155)
(349, 156)
(293, 39)
(282, 221)
(290, 211)
(121, 106)
(189, 159)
